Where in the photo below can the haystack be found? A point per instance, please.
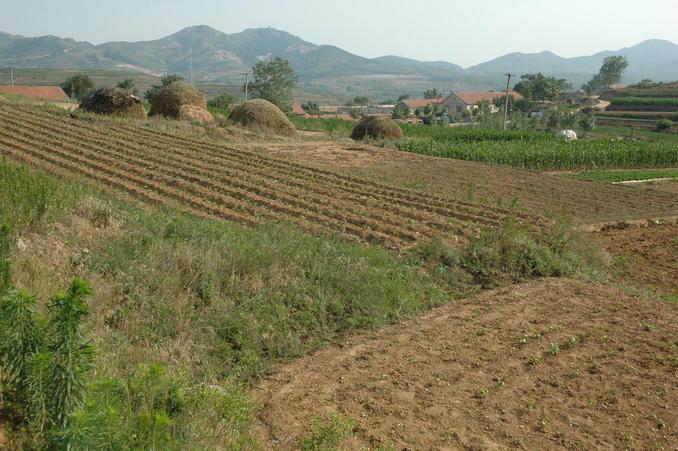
(262, 115)
(376, 127)
(172, 97)
(114, 101)
(194, 114)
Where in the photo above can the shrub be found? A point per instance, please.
(514, 254)
(222, 101)
(664, 124)
(78, 86)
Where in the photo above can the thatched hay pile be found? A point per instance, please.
(114, 101)
(376, 127)
(262, 115)
(194, 114)
(172, 97)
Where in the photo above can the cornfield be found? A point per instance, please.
(537, 150)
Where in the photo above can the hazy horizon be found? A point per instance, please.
(452, 31)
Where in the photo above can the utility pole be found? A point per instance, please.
(506, 99)
(11, 74)
(247, 82)
(190, 63)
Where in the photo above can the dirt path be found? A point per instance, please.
(500, 371)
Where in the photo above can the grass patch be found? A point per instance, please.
(334, 126)
(327, 433)
(620, 176)
(216, 305)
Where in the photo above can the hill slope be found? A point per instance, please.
(223, 57)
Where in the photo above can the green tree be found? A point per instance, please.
(78, 86)
(360, 101)
(403, 97)
(311, 108)
(274, 80)
(222, 101)
(541, 87)
(610, 72)
(432, 94)
(355, 113)
(129, 85)
(164, 81)
(400, 111)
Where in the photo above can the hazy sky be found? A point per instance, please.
(463, 32)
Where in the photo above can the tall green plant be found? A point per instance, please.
(5, 266)
(71, 352)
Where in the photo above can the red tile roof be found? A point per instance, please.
(53, 93)
(421, 103)
(473, 98)
(297, 109)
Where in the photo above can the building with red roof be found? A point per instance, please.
(48, 93)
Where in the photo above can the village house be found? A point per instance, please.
(459, 102)
(414, 104)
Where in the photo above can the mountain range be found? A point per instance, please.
(221, 57)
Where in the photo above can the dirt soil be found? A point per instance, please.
(498, 371)
(586, 202)
(648, 256)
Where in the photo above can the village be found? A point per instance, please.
(433, 108)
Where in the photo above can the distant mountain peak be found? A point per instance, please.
(222, 57)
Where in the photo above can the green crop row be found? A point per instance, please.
(552, 154)
(472, 134)
(644, 101)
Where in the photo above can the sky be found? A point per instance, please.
(462, 32)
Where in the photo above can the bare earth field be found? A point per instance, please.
(232, 183)
(649, 256)
(585, 202)
(553, 363)
(550, 364)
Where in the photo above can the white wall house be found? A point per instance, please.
(459, 102)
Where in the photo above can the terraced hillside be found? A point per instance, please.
(224, 182)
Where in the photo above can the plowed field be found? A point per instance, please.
(228, 183)
(585, 202)
(553, 364)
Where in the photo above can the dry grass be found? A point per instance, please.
(194, 114)
(172, 97)
(262, 115)
(114, 101)
(376, 127)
